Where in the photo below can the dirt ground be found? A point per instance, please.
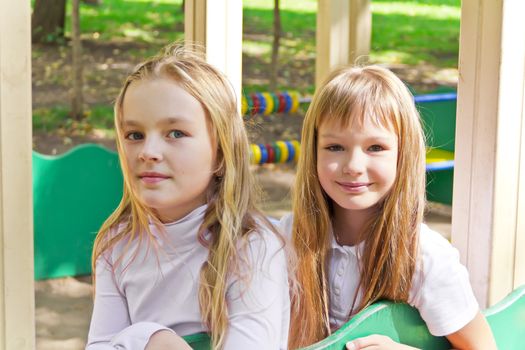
(63, 306)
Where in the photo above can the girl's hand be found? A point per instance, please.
(163, 340)
(376, 342)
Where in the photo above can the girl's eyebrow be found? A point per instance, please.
(175, 120)
(375, 138)
(130, 123)
(330, 135)
(382, 138)
(165, 121)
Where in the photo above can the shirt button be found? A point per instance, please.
(337, 291)
(340, 270)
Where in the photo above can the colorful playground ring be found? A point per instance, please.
(264, 154)
(289, 151)
(269, 103)
(244, 105)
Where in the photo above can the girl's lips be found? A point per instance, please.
(353, 187)
(151, 177)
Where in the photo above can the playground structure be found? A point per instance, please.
(489, 152)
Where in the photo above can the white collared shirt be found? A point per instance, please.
(160, 291)
(441, 290)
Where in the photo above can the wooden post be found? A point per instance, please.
(343, 35)
(489, 180)
(17, 306)
(217, 25)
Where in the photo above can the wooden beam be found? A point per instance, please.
(489, 184)
(217, 25)
(17, 326)
(343, 35)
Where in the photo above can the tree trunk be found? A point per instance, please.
(47, 23)
(77, 111)
(275, 46)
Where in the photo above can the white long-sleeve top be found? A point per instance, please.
(157, 291)
(440, 291)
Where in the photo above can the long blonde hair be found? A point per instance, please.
(349, 96)
(231, 213)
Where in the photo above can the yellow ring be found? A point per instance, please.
(295, 101)
(269, 103)
(284, 151)
(255, 154)
(297, 147)
(244, 105)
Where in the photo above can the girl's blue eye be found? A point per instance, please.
(176, 134)
(334, 148)
(134, 136)
(376, 148)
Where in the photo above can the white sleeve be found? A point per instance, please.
(441, 288)
(259, 306)
(111, 327)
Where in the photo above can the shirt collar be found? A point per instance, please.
(345, 249)
(183, 231)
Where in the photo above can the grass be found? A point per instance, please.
(414, 32)
(403, 31)
(409, 32)
(58, 117)
(155, 21)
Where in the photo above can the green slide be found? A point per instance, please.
(402, 323)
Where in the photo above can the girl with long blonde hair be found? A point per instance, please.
(357, 226)
(186, 251)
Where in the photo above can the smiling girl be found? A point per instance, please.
(357, 219)
(186, 251)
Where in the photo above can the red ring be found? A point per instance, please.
(271, 153)
(256, 104)
(282, 102)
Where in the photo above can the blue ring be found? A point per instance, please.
(288, 99)
(264, 153)
(262, 102)
(291, 151)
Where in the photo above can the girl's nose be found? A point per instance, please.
(152, 151)
(355, 163)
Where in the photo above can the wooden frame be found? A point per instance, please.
(17, 309)
(220, 34)
(343, 35)
(489, 183)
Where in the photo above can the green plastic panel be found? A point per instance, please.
(439, 121)
(73, 194)
(439, 186)
(439, 182)
(400, 322)
(199, 341)
(507, 320)
(439, 124)
(403, 324)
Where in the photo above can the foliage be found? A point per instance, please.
(413, 32)
(150, 21)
